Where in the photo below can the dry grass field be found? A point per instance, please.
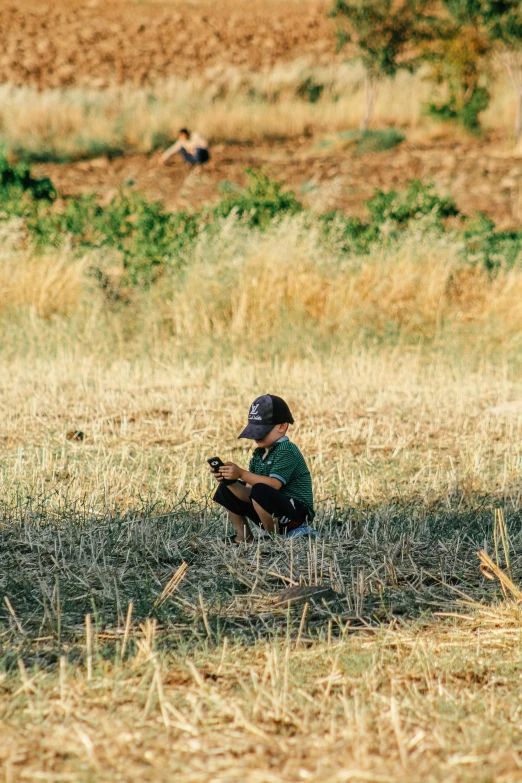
(408, 668)
(135, 645)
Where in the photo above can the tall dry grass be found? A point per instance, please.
(285, 287)
(225, 104)
(105, 492)
(47, 285)
(284, 290)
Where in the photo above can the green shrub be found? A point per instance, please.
(378, 140)
(310, 90)
(349, 234)
(489, 248)
(144, 233)
(17, 180)
(262, 200)
(467, 114)
(418, 200)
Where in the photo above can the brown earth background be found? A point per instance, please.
(96, 45)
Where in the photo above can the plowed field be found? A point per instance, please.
(98, 44)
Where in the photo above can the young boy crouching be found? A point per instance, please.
(276, 490)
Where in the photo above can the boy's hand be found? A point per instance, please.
(230, 471)
(216, 473)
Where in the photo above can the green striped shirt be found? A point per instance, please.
(285, 462)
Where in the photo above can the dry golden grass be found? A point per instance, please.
(370, 425)
(285, 284)
(48, 285)
(282, 290)
(76, 122)
(192, 672)
(420, 704)
(327, 699)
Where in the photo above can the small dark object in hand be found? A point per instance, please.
(75, 435)
(216, 463)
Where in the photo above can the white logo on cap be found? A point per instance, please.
(253, 413)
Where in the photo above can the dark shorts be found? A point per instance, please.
(290, 512)
(200, 155)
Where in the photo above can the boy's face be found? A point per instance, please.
(278, 432)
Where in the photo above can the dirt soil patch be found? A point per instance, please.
(479, 175)
(97, 44)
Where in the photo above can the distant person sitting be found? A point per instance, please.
(191, 146)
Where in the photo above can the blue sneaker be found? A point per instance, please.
(304, 530)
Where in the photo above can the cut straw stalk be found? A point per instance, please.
(13, 615)
(172, 585)
(500, 533)
(88, 645)
(491, 571)
(128, 621)
(205, 616)
(301, 624)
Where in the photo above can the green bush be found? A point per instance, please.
(144, 233)
(396, 210)
(17, 180)
(418, 200)
(378, 140)
(467, 114)
(262, 200)
(150, 239)
(349, 234)
(310, 91)
(489, 248)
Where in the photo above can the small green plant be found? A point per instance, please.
(16, 180)
(379, 140)
(467, 113)
(418, 200)
(262, 200)
(350, 234)
(310, 90)
(487, 247)
(391, 207)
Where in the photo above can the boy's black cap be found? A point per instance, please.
(265, 413)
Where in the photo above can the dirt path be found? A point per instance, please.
(478, 175)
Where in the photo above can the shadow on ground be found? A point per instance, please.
(404, 561)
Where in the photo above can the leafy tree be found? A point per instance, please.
(502, 22)
(475, 29)
(457, 56)
(382, 34)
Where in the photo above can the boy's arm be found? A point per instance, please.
(171, 151)
(231, 471)
(253, 478)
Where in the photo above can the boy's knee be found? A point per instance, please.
(221, 495)
(260, 493)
